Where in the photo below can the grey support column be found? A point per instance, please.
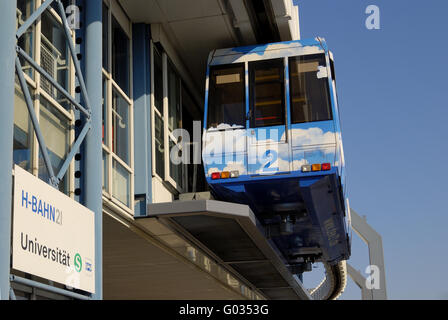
(376, 255)
(93, 143)
(357, 277)
(7, 59)
(142, 117)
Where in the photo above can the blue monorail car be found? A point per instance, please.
(272, 140)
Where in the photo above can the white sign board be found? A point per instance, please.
(53, 235)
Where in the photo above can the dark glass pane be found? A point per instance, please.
(120, 127)
(23, 130)
(104, 117)
(65, 3)
(333, 73)
(158, 81)
(310, 100)
(105, 172)
(120, 56)
(195, 181)
(24, 9)
(226, 103)
(105, 37)
(267, 93)
(159, 146)
(174, 119)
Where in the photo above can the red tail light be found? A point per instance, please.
(216, 175)
(326, 166)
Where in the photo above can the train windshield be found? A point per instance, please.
(226, 102)
(267, 92)
(310, 99)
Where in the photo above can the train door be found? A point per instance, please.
(268, 151)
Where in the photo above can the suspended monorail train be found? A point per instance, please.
(272, 140)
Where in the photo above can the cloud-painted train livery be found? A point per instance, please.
(272, 140)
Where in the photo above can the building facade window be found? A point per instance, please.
(157, 113)
(117, 107)
(56, 132)
(166, 108)
(54, 57)
(194, 176)
(26, 42)
(23, 130)
(45, 42)
(172, 122)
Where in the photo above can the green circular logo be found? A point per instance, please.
(78, 262)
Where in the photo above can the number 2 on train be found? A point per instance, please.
(271, 157)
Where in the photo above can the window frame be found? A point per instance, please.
(115, 10)
(251, 85)
(330, 106)
(168, 136)
(241, 65)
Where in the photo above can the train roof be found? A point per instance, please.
(267, 51)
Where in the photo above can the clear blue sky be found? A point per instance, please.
(392, 85)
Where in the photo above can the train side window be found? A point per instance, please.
(310, 98)
(333, 73)
(226, 103)
(267, 93)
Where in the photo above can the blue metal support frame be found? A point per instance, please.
(7, 60)
(73, 151)
(74, 58)
(54, 180)
(93, 144)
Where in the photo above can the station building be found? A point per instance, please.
(144, 65)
